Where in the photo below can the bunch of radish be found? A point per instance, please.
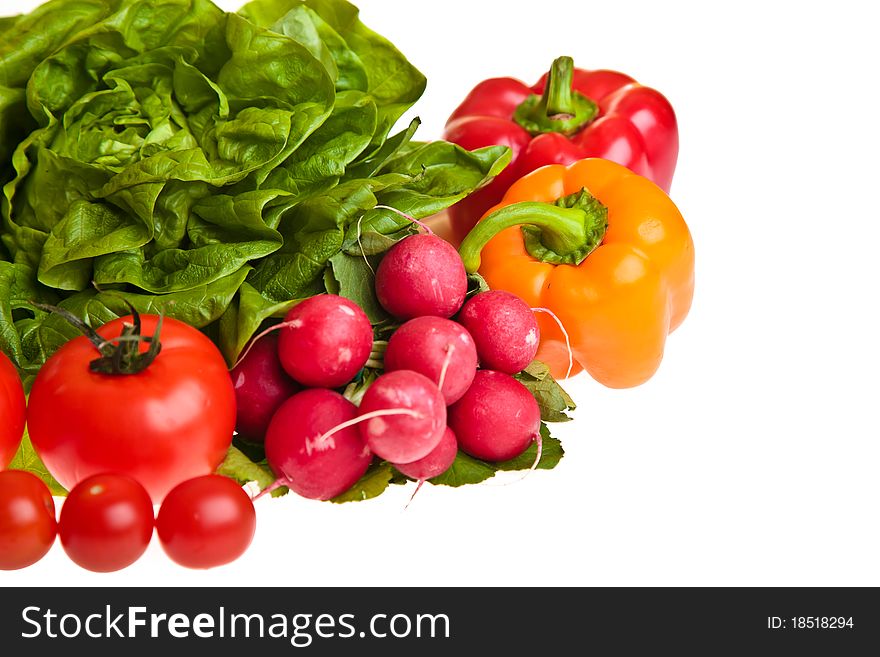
(447, 384)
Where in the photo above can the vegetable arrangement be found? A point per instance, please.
(212, 273)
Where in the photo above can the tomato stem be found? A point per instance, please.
(99, 342)
(119, 355)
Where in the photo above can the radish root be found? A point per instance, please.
(415, 492)
(260, 335)
(564, 333)
(408, 217)
(278, 483)
(366, 416)
(361, 246)
(449, 351)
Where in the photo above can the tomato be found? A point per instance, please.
(12, 406)
(163, 425)
(27, 519)
(106, 522)
(205, 522)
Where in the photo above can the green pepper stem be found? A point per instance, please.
(562, 233)
(559, 108)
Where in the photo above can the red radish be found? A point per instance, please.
(438, 348)
(497, 418)
(403, 416)
(302, 460)
(504, 329)
(261, 386)
(421, 275)
(436, 462)
(325, 341)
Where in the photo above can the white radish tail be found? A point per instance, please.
(408, 217)
(263, 334)
(564, 333)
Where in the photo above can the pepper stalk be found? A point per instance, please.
(564, 232)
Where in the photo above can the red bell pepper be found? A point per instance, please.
(570, 114)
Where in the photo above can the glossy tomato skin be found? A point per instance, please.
(169, 423)
(106, 522)
(27, 519)
(206, 522)
(12, 410)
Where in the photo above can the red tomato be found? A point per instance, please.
(27, 519)
(205, 522)
(164, 425)
(12, 405)
(106, 522)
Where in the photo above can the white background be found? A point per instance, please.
(752, 457)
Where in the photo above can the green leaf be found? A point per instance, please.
(465, 470)
(476, 285)
(371, 243)
(552, 399)
(364, 60)
(32, 37)
(468, 470)
(391, 79)
(357, 281)
(437, 175)
(373, 163)
(330, 282)
(322, 160)
(371, 485)
(239, 467)
(18, 318)
(26, 459)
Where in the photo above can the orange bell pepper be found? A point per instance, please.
(605, 250)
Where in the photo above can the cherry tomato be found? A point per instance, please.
(205, 522)
(12, 405)
(27, 519)
(106, 522)
(166, 424)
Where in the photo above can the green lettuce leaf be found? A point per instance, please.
(26, 459)
(216, 168)
(372, 484)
